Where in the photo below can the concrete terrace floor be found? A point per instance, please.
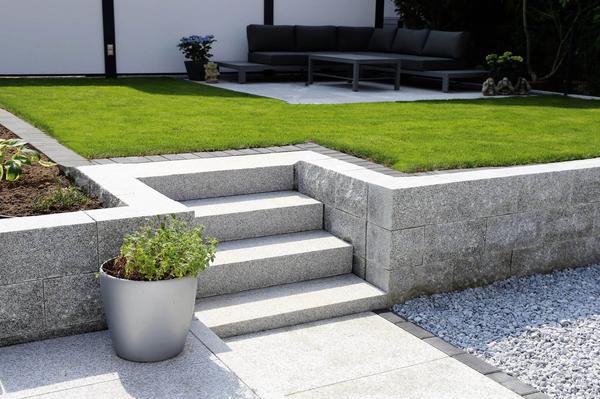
(359, 356)
(339, 92)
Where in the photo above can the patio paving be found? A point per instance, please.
(341, 93)
(359, 356)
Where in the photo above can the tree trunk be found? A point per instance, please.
(527, 42)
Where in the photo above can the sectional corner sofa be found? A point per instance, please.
(423, 52)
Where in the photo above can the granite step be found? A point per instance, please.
(257, 215)
(224, 179)
(267, 261)
(287, 305)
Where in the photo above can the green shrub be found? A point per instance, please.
(60, 199)
(170, 251)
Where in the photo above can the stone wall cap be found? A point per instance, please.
(44, 221)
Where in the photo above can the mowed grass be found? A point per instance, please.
(142, 116)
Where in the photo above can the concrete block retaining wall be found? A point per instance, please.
(411, 234)
(48, 264)
(433, 233)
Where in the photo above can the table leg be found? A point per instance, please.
(397, 76)
(355, 76)
(241, 77)
(310, 72)
(446, 84)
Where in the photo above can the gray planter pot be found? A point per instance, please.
(148, 320)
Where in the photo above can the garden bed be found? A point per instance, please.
(40, 190)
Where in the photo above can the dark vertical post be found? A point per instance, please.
(379, 13)
(110, 51)
(269, 12)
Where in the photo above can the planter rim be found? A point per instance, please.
(106, 275)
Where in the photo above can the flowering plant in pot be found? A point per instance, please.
(197, 50)
(506, 65)
(149, 290)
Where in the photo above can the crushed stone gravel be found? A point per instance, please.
(543, 329)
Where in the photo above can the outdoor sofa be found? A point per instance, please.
(424, 52)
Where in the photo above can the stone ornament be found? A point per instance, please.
(211, 72)
(505, 87)
(523, 87)
(489, 87)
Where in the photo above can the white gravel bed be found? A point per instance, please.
(544, 329)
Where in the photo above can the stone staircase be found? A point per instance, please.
(275, 265)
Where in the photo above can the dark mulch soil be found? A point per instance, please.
(17, 198)
(116, 268)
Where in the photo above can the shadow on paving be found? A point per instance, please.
(86, 366)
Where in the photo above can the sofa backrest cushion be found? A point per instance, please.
(382, 39)
(270, 38)
(350, 38)
(446, 44)
(316, 38)
(410, 41)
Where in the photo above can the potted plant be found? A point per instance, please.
(149, 290)
(506, 65)
(197, 51)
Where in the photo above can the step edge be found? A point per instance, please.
(282, 320)
(253, 210)
(281, 255)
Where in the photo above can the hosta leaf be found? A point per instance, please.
(33, 155)
(13, 169)
(23, 159)
(46, 164)
(15, 142)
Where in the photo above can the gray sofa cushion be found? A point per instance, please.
(382, 40)
(351, 38)
(279, 58)
(446, 44)
(270, 38)
(410, 41)
(316, 38)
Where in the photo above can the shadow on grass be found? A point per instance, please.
(549, 101)
(159, 85)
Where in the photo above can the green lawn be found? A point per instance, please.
(143, 116)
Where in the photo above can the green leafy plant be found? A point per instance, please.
(60, 199)
(14, 154)
(197, 48)
(170, 251)
(504, 65)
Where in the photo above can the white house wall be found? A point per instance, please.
(390, 9)
(51, 37)
(325, 12)
(147, 31)
(43, 37)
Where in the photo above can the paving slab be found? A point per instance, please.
(443, 378)
(340, 93)
(85, 366)
(359, 356)
(314, 355)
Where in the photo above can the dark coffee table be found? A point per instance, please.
(356, 60)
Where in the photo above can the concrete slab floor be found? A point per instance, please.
(340, 92)
(359, 356)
